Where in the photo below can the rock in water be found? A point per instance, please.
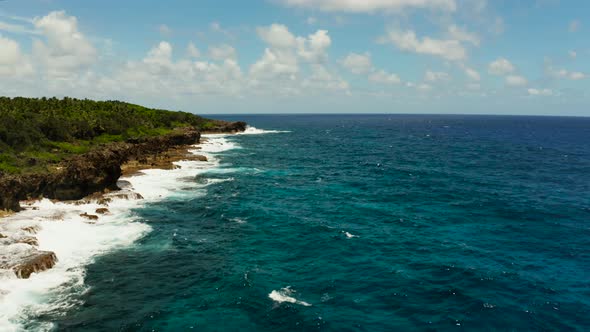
(102, 211)
(89, 216)
(36, 261)
(24, 260)
(32, 241)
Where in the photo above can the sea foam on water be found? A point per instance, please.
(76, 240)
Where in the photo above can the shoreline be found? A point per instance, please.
(67, 235)
(24, 261)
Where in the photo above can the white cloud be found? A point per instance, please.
(577, 76)
(275, 63)
(472, 73)
(432, 76)
(16, 28)
(66, 49)
(461, 34)
(160, 55)
(12, 61)
(321, 79)
(371, 6)
(357, 63)
(10, 54)
(384, 77)
(277, 35)
(311, 20)
(516, 80)
(449, 49)
(315, 47)
(572, 54)
(281, 57)
(501, 66)
(423, 87)
(574, 26)
(540, 92)
(222, 52)
(565, 74)
(192, 50)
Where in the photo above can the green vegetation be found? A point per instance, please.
(35, 133)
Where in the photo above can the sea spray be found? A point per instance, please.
(77, 241)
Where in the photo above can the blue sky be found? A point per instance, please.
(288, 56)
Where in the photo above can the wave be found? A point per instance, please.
(77, 241)
(284, 295)
(349, 235)
(255, 131)
(216, 143)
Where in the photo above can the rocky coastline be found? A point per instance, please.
(90, 177)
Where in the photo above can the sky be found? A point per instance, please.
(528, 57)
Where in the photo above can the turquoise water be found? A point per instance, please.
(366, 223)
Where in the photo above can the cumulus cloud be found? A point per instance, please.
(314, 48)
(282, 67)
(277, 35)
(516, 80)
(540, 92)
(10, 54)
(449, 49)
(161, 55)
(573, 54)
(371, 6)
(12, 61)
(222, 52)
(192, 50)
(384, 77)
(66, 49)
(462, 34)
(472, 73)
(285, 50)
(565, 74)
(275, 63)
(357, 63)
(16, 28)
(361, 64)
(501, 66)
(436, 76)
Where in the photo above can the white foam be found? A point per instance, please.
(255, 131)
(239, 220)
(350, 236)
(76, 241)
(284, 295)
(216, 143)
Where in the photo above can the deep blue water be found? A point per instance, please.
(462, 223)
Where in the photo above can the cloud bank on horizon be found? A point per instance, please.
(399, 56)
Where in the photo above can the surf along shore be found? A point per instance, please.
(90, 179)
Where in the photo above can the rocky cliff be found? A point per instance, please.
(96, 170)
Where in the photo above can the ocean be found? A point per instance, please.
(334, 223)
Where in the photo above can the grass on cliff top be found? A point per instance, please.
(38, 133)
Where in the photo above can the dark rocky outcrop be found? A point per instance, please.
(30, 240)
(94, 171)
(36, 261)
(228, 127)
(102, 211)
(89, 216)
(88, 173)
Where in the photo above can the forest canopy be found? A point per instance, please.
(37, 131)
